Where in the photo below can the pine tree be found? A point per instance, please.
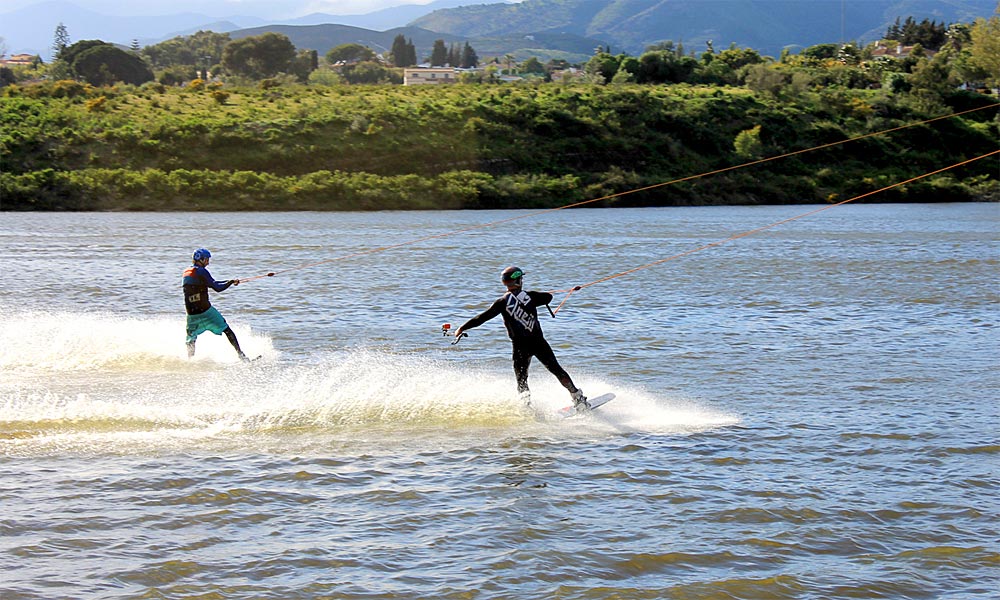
(60, 42)
(909, 31)
(894, 32)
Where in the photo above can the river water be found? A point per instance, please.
(808, 412)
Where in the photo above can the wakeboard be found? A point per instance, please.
(601, 400)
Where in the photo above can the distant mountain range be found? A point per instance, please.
(31, 29)
(324, 37)
(570, 47)
(568, 29)
(765, 25)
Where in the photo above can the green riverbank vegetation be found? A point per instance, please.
(287, 145)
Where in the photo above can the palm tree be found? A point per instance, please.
(509, 58)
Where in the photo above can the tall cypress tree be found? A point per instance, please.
(469, 57)
(411, 53)
(439, 54)
(399, 51)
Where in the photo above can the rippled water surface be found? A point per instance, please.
(809, 412)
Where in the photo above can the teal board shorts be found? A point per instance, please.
(210, 320)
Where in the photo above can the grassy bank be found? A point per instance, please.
(69, 146)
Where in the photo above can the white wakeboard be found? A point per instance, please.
(249, 360)
(601, 400)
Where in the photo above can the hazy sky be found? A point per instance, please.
(223, 8)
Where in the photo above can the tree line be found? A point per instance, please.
(941, 56)
(959, 54)
(208, 54)
(927, 33)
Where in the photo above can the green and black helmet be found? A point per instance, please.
(512, 274)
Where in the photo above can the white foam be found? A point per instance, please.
(96, 378)
(60, 341)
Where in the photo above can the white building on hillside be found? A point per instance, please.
(430, 75)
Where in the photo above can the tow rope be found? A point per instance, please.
(618, 195)
(570, 291)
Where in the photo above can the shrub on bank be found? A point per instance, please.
(185, 189)
(205, 190)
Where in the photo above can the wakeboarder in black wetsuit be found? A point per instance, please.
(520, 315)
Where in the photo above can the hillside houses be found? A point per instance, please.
(882, 49)
(426, 75)
(19, 60)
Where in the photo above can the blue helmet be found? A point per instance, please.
(201, 254)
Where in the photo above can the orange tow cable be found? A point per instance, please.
(608, 197)
(569, 292)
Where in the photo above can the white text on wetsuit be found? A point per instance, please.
(522, 316)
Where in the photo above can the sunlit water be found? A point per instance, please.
(810, 412)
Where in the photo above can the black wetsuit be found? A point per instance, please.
(520, 316)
